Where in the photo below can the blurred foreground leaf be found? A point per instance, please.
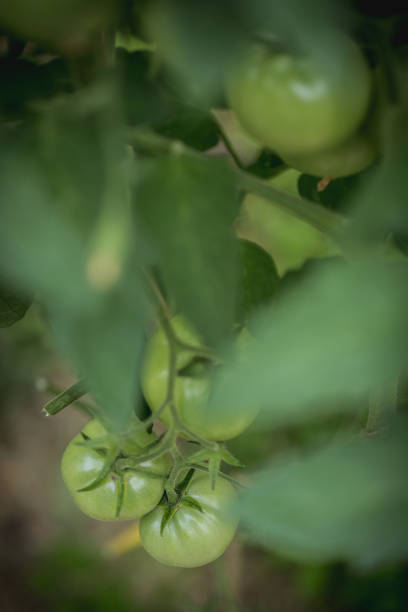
(347, 501)
(188, 206)
(331, 337)
(67, 235)
(195, 127)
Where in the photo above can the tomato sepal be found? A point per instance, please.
(190, 502)
(104, 473)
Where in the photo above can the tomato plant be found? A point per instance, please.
(295, 104)
(199, 529)
(122, 493)
(138, 147)
(192, 384)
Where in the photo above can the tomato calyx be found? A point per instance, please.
(213, 459)
(117, 463)
(181, 499)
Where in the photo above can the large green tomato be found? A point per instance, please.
(81, 465)
(348, 158)
(192, 538)
(295, 104)
(192, 385)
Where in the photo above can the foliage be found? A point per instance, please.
(125, 199)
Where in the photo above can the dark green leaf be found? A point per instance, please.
(259, 279)
(195, 127)
(188, 206)
(337, 195)
(23, 84)
(143, 97)
(266, 164)
(13, 305)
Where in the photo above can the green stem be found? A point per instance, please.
(191, 434)
(203, 468)
(229, 146)
(171, 483)
(164, 447)
(66, 397)
(200, 351)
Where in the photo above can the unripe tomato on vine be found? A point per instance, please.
(192, 384)
(294, 103)
(123, 494)
(193, 536)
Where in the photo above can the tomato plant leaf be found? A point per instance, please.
(142, 94)
(195, 127)
(318, 348)
(266, 165)
(345, 501)
(188, 206)
(259, 279)
(13, 306)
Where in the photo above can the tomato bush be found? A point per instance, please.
(296, 104)
(192, 537)
(138, 148)
(81, 465)
(192, 384)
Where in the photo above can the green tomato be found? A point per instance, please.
(81, 465)
(192, 385)
(287, 239)
(348, 158)
(192, 537)
(295, 104)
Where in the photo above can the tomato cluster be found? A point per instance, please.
(316, 115)
(192, 385)
(317, 120)
(187, 524)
